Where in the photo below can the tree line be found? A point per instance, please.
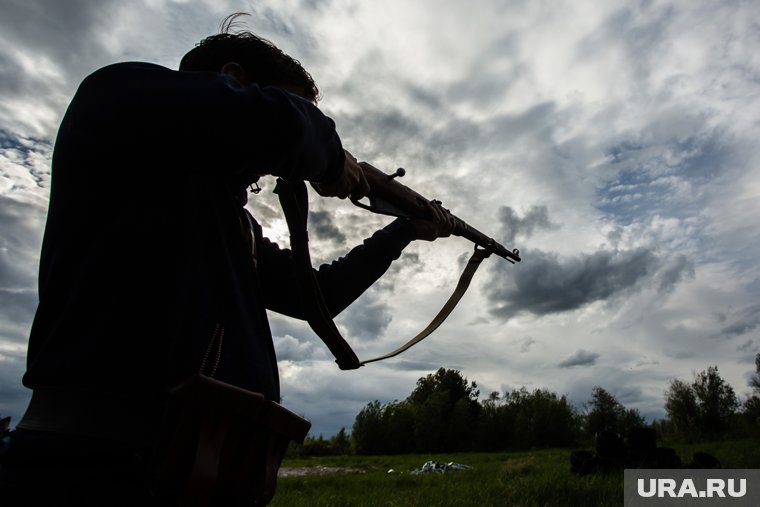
(444, 413)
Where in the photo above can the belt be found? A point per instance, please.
(94, 414)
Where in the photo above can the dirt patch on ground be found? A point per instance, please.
(303, 471)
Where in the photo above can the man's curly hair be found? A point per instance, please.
(264, 63)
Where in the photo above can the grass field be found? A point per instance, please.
(536, 478)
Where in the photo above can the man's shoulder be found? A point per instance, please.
(121, 68)
(122, 76)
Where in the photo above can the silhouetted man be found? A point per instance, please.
(149, 254)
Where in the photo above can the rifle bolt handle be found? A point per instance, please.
(399, 173)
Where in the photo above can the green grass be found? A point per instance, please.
(732, 454)
(527, 479)
(538, 478)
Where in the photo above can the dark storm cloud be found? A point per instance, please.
(674, 271)
(424, 97)
(748, 319)
(537, 217)
(680, 354)
(526, 344)
(366, 319)
(580, 358)
(547, 284)
(745, 347)
(322, 225)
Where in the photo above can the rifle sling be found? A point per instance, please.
(464, 282)
(294, 202)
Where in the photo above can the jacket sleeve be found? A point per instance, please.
(342, 281)
(206, 121)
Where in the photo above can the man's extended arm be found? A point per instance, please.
(342, 281)
(345, 279)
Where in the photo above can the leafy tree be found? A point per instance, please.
(492, 426)
(682, 408)
(384, 429)
(554, 420)
(449, 383)
(717, 401)
(752, 404)
(443, 414)
(705, 408)
(446, 411)
(754, 381)
(398, 428)
(340, 443)
(607, 413)
(539, 419)
(367, 430)
(752, 412)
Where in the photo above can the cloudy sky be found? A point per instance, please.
(614, 143)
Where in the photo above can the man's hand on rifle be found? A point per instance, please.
(351, 182)
(440, 224)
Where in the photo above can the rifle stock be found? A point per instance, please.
(388, 196)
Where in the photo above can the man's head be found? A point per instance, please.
(260, 61)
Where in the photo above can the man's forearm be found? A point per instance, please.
(344, 280)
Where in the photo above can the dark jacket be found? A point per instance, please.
(146, 248)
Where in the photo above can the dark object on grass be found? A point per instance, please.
(666, 457)
(641, 441)
(637, 450)
(610, 450)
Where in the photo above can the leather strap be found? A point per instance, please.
(464, 282)
(294, 202)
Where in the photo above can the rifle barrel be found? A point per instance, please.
(390, 197)
(467, 231)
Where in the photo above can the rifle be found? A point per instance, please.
(390, 197)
